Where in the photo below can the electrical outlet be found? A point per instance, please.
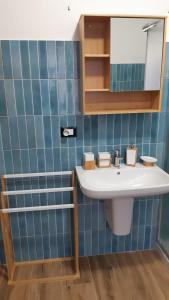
(68, 132)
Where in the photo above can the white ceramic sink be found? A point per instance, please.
(119, 187)
(127, 181)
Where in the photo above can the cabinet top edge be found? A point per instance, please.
(125, 16)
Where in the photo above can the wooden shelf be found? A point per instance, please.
(97, 55)
(97, 90)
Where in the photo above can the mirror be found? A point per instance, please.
(135, 54)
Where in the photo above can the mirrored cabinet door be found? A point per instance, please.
(136, 46)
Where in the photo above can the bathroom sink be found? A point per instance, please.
(119, 187)
(124, 182)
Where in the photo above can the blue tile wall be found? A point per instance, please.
(39, 93)
(127, 77)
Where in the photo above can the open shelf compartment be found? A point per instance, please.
(97, 74)
(96, 35)
(107, 102)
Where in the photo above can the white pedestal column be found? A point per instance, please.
(119, 213)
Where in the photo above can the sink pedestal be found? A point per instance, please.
(119, 212)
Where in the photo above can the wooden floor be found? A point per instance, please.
(131, 276)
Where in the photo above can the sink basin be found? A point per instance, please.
(127, 181)
(119, 187)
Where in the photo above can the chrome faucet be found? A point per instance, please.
(117, 158)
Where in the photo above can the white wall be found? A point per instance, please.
(50, 19)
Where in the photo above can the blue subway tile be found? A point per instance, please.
(114, 243)
(23, 138)
(128, 242)
(72, 157)
(30, 223)
(79, 124)
(94, 127)
(142, 215)
(51, 59)
(136, 212)
(16, 59)
(62, 96)
(102, 127)
(39, 247)
(10, 97)
(125, 130)
(60, 55)
(49, 160)
(13, 126)
(3, 108)
(37, 222)
(141, 236)
(64, 159)
(140, 127)
(22, 224)
(88, 243)
(53, 247)
(94, 214)
(2, 163)
(25, 161)
(41, 160)
(117, 130)
(5, 133)
(39, 131)
(25, 59)
(95, 242)
(8, 161)
(147, 237)
(17, 249)
(53, 92)
(17, 161)
(71, 123)
(134, 238)
(42, 59)
(1, 63)
(28, 97)
(88, 217)
(132, 128)
(19, 97)
(154, 127)
(33, 160)
(37, 105)
(32, 248)
(6, 57)
(34, 60)
(45, 97)
(47, 131)
(102, 241)
(31, 131)
(70, 97)
(69, 60)
(60, 245)
(81, 243)
(147, 128)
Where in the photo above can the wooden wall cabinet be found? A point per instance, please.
(96, 97)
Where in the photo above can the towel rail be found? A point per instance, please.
(8, 176)
(6, 226)
(36, 208)
(38, 191)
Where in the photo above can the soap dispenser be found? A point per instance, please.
(131, 155)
